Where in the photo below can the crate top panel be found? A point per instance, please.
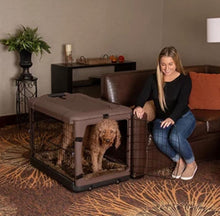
(69, 108)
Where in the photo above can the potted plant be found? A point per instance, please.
(26, 41)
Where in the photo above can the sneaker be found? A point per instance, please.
(189, 173)
(177, 172)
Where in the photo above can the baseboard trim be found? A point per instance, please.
(7, 120)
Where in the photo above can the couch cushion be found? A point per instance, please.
(200, 130)
(211, 118)
(205, 91)
(123, 87)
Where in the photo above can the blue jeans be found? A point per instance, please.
(172, 140)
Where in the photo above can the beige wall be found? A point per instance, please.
(94, 27)
(184, 26)
(137, 29)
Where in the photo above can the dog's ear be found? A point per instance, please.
(117, 138)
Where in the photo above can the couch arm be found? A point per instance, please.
(138, 146)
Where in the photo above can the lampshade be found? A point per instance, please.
(213, 30)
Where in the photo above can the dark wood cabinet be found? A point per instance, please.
(64, 77)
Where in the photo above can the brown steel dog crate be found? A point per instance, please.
(59, 128)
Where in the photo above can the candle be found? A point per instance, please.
(68, 48)
(68, 54)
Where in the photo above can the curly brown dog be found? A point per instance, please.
(98, 138)
(103, 135)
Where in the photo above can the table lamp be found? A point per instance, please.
(213, 30)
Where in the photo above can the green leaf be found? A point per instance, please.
(26, 38)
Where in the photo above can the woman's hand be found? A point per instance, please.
(167, 122)
(139, 112)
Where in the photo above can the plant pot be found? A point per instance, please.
(25, 63)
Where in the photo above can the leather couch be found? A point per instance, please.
(124, 87)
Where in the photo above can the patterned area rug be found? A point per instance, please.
(25, 191)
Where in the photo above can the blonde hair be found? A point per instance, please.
(169, 52)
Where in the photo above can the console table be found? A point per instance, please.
(63, 75)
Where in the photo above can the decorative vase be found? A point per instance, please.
(25, 63)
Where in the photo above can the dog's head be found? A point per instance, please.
(108, 133)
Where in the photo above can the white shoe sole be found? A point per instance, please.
(176, 177)
(189, 178)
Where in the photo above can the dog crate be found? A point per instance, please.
(61, 127)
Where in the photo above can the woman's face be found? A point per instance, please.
(167, 65)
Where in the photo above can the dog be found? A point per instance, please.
(102, 136)
(97, 139)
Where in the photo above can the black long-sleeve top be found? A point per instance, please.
(176, 95)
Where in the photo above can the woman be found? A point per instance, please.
(170, 89)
